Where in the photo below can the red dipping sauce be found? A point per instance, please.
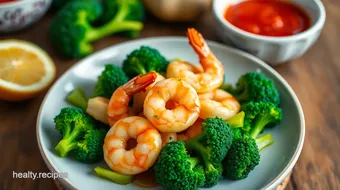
(268, 17)
(6, 1)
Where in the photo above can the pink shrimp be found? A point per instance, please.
(118, 107)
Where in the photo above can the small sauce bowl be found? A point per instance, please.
(16, 15)
(273, 50)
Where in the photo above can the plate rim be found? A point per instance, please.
(271, 185)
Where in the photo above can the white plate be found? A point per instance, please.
(276, 161)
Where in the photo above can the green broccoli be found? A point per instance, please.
(71, 31)
(237, 133)
(264, 141)
(213, 173)
(236, 123)
(58, 4)
(244, 155)
(175, 169)
(241, 159)
(254, 86)
(110, 79)
(113, 176)
(212, 144)
(227, 87)
(214, 141)
(144, 60)
(110, 8)
(90, 149)
(258, 115)
(237, 120)
(78, 98)
(73, 124)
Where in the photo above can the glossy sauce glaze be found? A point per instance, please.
(268, 17)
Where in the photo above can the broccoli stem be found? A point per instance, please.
(117, 24)
(195, 145)
(123, 11)
(139, 68)
(78, 98)
(113, 27)
(259, 125)
(194, 161)
(64, 146)
(240, 93)
(264, 141)
(236, 121)
(68, 143)
(227, 87)
(113, 176)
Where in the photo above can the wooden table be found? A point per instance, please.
(315, 77)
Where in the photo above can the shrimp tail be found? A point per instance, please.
(139, 83)
(198, 43)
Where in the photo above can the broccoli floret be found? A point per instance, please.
(71, 31)
(244, 155)
(254, 86)
(241, 159)
(110, 79)
(144, 60)
(110, 8)
(175, 169)
(213, 174)
(212, 144)
(214, 141)
(73, 124)
(78, 98)
(113, 176)
(237, 120)
(90, 149)
(237, 133)
(259, 115)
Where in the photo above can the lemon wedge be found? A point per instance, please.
(25, 70)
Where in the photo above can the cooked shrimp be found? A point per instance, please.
(119, 103)
(168, 137)
(218, 103)
(204, 78)
(142, 156)
(195, 129)
(183, 112)
(138, 99)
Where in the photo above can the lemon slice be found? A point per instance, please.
(25, 70)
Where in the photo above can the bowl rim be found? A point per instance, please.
(273, 183)
(318, 25)
(15, 3)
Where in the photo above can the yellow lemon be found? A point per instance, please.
(25, 70)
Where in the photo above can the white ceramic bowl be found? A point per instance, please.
(274, 50)
(276, 162)
(17, 15)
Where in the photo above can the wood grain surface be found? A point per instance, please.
(315, 77)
